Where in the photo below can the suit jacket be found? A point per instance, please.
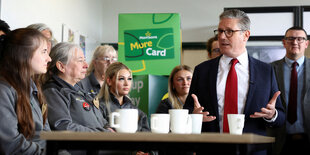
(262, 87)
(305, 101)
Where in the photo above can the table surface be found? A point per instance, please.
(247, 138)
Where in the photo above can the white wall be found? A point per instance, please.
(198, 17)
(82, 16)
(98, 19)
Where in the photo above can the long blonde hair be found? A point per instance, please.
(112, 71)
(173, 94)
(99, 51)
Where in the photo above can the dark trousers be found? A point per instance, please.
(296, 144)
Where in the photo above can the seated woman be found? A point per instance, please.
(70, 107)
(103, 57)
(23, 109)
(113, 94)
(179, 83)
(46, 31)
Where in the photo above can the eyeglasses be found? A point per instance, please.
(108, 59)
(216, 50)
(298, 39)
(228, 33)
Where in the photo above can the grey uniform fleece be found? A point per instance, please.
(11, 140)
(71, 108)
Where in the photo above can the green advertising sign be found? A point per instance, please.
(149, 43)
(139, 92)
(147, 91)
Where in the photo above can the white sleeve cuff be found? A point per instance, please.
(273, 118)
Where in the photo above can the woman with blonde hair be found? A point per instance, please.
(114, 93)
(178, 87)
(103, 57)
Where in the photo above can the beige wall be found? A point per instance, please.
(307, 53)
(193, 57)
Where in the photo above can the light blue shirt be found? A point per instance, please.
(297, 127)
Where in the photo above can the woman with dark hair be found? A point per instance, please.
(178, 87)
(23, 109)
(4, 28)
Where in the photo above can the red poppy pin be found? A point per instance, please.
(86, 106)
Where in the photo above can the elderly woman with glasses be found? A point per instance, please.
(103, 57)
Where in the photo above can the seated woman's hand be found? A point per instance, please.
(111, 130)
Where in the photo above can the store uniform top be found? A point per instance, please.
(71, 108)
(164, 106)
(90, 85)
(143, 124)
(12, 141)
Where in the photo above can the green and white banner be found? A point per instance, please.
(147, 91)
(150, 43)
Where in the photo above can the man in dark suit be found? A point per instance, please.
(293, 138)
(257, 90)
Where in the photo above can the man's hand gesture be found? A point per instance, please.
(198, 110)
(270, 109)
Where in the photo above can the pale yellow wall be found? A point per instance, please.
(193, 57)
(307, 53)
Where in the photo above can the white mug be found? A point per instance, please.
(180, 121)
(160, 123)
(196, 123)
(126, 120)
(235, 123)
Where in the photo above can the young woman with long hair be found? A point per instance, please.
(178, 87)
(23, 109)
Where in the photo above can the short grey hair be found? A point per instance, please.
(40, 27)
(62, 52)
(244, 20)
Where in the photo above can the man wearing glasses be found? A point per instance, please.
(213, 48)
(293, 77)
(235, 83)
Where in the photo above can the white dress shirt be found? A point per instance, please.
(242, 70)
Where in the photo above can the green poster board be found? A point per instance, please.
(147, 91)
(149, 43)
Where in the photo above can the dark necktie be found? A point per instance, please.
(231, 95)
(292, 103)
